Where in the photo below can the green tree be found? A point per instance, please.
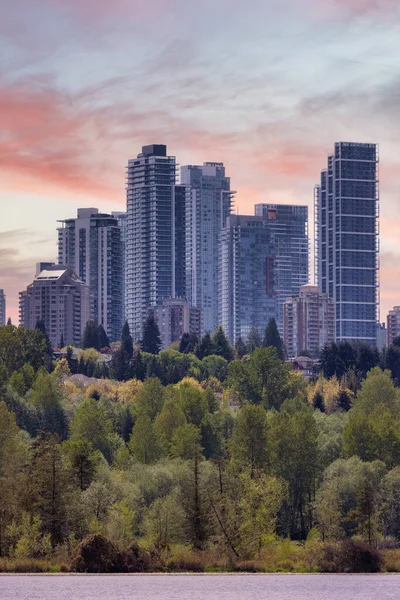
(150, 398)
(47, 397)
(92, 424)
(104, 342)
(273, 339)
(126, 340)
(90, 337)
(120, 366)
(205, 347)
(82, 460)
(221, 344)
(249, 443)
(145, 443)
(240, 348)
(254, 340)
(151, 341)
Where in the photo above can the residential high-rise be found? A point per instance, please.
(175, 317)
(92, 246)
(393, 325)
(122, 218)
(61, 300)
(207, 210)
(247, 289)
(347, 244)
(308, 321)
(155, 224)
(2, 308)
(288, 227)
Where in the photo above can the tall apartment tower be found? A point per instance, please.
(288, 227)
(91, 245)
(61, 300)
(155, 249)
(175, 317)
(2, 308)
(308, 321)
(347, 243)
(393, 325)
(247, 284)
(209, 206)
(122, 218)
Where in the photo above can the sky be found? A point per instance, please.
(265, 86)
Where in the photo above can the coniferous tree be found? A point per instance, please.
(204, 347)
(184, 343)
(138, 368)
(272, 338)
(40, 326)
(151, 341)
(62, 341)
(104, 342)
(126, 340)
(90, 338)
(9, 322)
(254, 341)
(240, 348)
(222, 346)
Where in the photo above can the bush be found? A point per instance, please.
(135, 560)
(350, 556)
(96, 554)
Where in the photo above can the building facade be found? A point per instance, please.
(207, 208)
(288, 228)
(308, 321)
(155, 252)
(393, 325)
(61, 300)
(174, 317)
(2, 308)
(247, 290)
(92, 245)
(347, 243)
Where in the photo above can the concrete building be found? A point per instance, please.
(381, 336)
(393, 325)
(308, 321)
(2, 308)
(122, 218)
(175, 317)
(61, 300)
(247, 289)
(155, 222)
(208, 207)
(92, 245)
(347, 244)
(288, 228)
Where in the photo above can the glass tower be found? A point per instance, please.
(247, 285)
(347, 243)
(208, 207)
(288, 228)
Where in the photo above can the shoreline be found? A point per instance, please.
(190, 574)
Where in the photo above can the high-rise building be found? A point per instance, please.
(92, 246)
(347, 244)
(122, 218)
(61, 300)
(247, 289)
(175, 317)
(288, 227)
(155, 252)
(2, 308)
(393, 325)
(208, 207)
(308, 321)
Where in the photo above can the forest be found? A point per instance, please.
(201, 457)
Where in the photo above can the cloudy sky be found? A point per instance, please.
(266, 86)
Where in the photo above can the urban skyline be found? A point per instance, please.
(82, 92)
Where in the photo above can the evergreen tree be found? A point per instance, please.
(240, 348)
(104, 342)
(90, 338)
(204, 347)
(151, 341)
(254, 341)
(138, 368)
(184, 343)
(188, 343)
(62, 341)
(81, 366)
(272, 338)
(221, 344)
(40, 326)
(9, 322)
(126, 340)
(120, 365)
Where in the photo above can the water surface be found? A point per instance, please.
(200, 587)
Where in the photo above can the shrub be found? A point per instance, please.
(96, 554)
(350, 556)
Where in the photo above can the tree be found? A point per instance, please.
(145, 443)
(272, 338)
(90, 337)
(120, 366)
(188, 343)
(240, 348)
(126, 340)
(62, 341)
(82, 459)
(104, 342)
(249, 441)
(254, 340)
(92, 424)
(221, 344)
(150, 398)
(205, 346)
(47, 397)
(151, 341)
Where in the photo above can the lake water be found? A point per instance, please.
(200, 587)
